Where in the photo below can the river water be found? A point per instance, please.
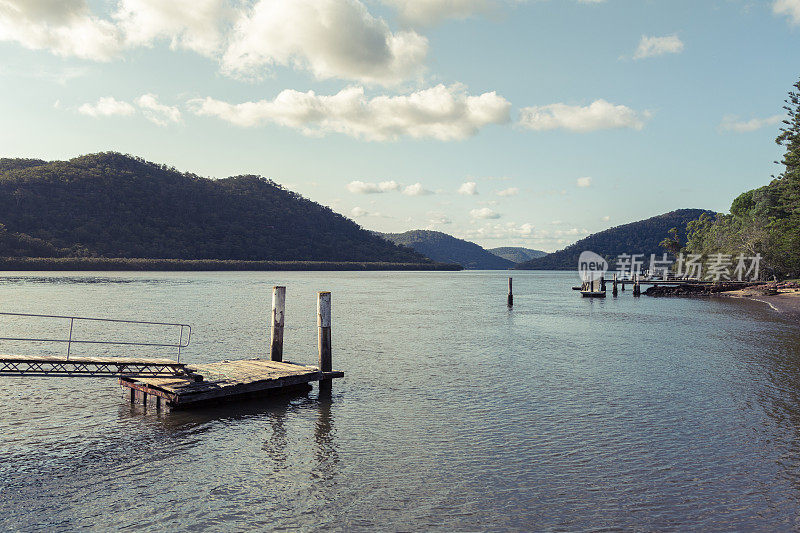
(456, 413)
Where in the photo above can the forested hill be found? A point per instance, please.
(114, 205)
(642, 237)
(517, 254)
(448, 249)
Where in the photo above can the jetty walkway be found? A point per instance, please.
(175, 383)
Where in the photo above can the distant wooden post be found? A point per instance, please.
(276, 329)
(510, 294)
(614, 285)
(637, 291)
(324, 338)
(603, 283)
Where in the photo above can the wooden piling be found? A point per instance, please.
(637, 290)
(324, 339)
(602, 283)
(614, 285)
(276, 328)
(510, 293)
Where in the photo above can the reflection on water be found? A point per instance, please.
(456, 412)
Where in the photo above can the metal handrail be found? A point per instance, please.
(72, 320)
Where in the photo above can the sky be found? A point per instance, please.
(506, 122)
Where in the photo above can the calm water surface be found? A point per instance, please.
(455, 413)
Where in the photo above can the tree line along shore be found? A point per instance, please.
(140, 264)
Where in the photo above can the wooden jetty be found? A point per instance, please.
(176, 384)
(594, 288)
(249, 378)
(224, 382)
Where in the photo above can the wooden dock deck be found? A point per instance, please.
(225, 381)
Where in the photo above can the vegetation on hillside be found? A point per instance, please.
(114, 205)
(517, 254)
(764, 220)
(642, 237)
(448, 249)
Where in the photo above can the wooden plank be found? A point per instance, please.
(243, 388)
(126, 382)
(230, 379)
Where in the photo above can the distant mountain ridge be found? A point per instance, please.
(115, 205)
(517, 254)
(445, 248)
(642, 237)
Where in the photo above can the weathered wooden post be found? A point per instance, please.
(510, 294)
(603, 283)
(276, 329)
(637, 290)
(324, 339)
(614, 285)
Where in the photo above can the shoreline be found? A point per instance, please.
(121, 264)
(781, 297)
(784, 301)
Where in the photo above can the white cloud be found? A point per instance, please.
(599, 115)
(606, 218)
(330, 38)
(358, 212)
(469, 188)
(483, 213)
(502, 231)
(361, 187)
(524, 233)
(440, 112)
(584, 182)
(159, 114)
(65, 27)
(439, 219)
(790, 8)
(733, 123)
(107, 106)
(511, 191)
(416, 190)
(189, 24)
(658, 46)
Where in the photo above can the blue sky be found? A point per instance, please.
(506, 122)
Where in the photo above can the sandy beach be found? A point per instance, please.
(786, 301)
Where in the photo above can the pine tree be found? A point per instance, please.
(789, 136)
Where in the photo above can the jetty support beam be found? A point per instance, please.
(324, 339)
(277, 322)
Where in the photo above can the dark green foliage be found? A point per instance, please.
(21, 245)
(764, 220)
(672, 244)
(12, 164)
(114, 205)
(517, 254)
(447, 249)
(643, 237)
